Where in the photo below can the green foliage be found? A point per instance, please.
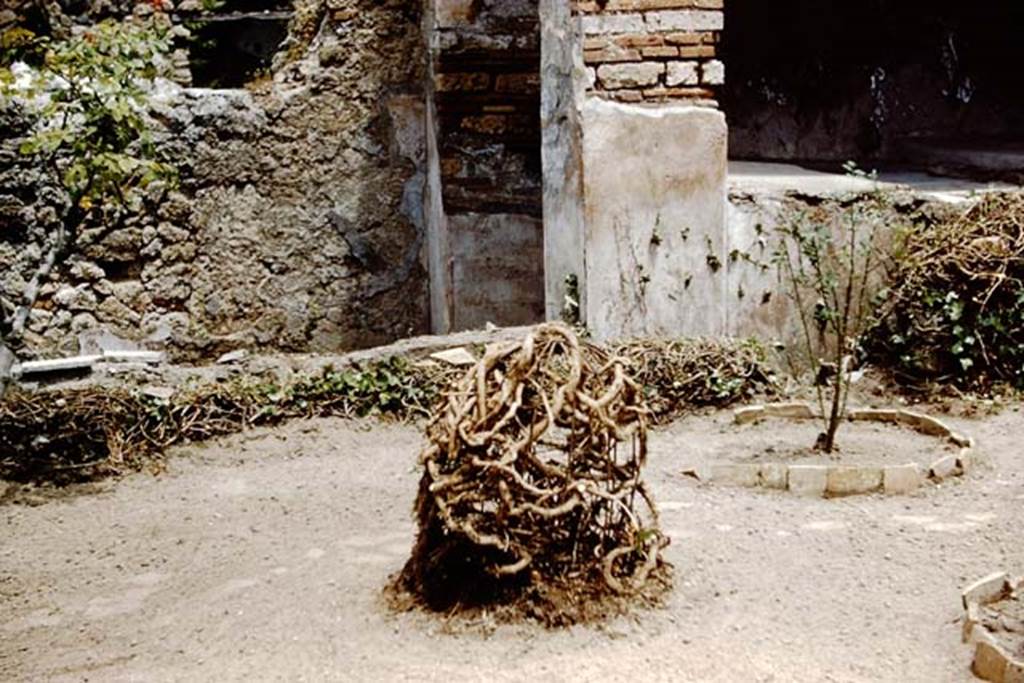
(955, 304)
(93, 130)
(829, 262)
(20, 44)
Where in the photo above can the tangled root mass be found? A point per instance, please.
(532, 485)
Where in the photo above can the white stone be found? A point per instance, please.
(603, 24)
(458, 357)
(808, 480)
(902, 479)
(713, 72)
(944, 468)
(924, 423)
(986, 590)
(736, 475)
(630, 75)
(233, 357)
(774, 476)
(654, 205)
(847, 481)
(151, 357)
(681, 73)
(874, 415)
(685, 20)
(56, 365)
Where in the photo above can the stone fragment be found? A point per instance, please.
(961, 440)
(458, 357)
(924, 423)
(40, 367)
(874, 415)
(681, 73)
(742, 416)
(847, 481)
(808, 480)
(988, 589)
(774, 476)
(233, 357)
(151, 357)
(990, 662)
(944, 468)
(971, 619)
(902, 479)
(713, 72)
(1014, 672)
(794, 411)
(747, 476)
(631, 75)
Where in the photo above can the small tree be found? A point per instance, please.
(827, 263)
(91, 132)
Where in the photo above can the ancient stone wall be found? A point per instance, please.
(298, 223)
(652, 50)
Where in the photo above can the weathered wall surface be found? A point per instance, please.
(299, 221)
(486, 78)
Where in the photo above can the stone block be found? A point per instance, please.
(1014, 672)
(681, 73)
(631, 75)
(685, 20)
(943, 468)
(874, 415)
(654, 187)
(848, 481)
(990, 662)
(925, 424)
(902, 479)
(41, 367)
(748, 476)
(774, 476)
(986, 590)
(808, 480)
(712, 73)
(971, 619)
(793, 411)
(742, 416)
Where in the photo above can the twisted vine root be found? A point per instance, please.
(533, 469)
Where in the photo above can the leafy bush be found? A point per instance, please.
(954, 311)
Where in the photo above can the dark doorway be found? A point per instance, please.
(929, 83)
(232, 43)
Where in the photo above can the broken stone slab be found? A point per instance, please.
(149, 357)
(742, 416)
(848, 481)
(736, 475)
(774, 476)
(793, 411)
(808, 480)
(990, 662)
(459, 357)
(925, 423)
(971, 619)
(988, 589)
(42, 367)
(233, 357)
(900, 479)
(944, 467)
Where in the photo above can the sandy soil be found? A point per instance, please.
(263, 557)
(792, 442)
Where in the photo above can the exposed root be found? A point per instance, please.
(531, 481)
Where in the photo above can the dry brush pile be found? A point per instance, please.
(69, 435)
(955, 309)
(531, 495)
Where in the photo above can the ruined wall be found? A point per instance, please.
(652, 50)
(298, 224)
(486, 78)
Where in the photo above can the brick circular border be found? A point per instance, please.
(992, 661)
(829, 481)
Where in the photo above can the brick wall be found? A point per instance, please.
(652, 50)
(486, 79)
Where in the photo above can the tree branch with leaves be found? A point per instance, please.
(92, 133)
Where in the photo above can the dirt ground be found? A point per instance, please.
(262, 557)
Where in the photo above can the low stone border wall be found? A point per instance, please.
(841, 480)
(992, 662)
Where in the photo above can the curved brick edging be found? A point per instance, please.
(992, 661)
(843, 480)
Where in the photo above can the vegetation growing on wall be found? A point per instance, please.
(91, 133)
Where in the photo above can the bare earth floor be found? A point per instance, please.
(263, 557)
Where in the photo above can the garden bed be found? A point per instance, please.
(995, 625)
